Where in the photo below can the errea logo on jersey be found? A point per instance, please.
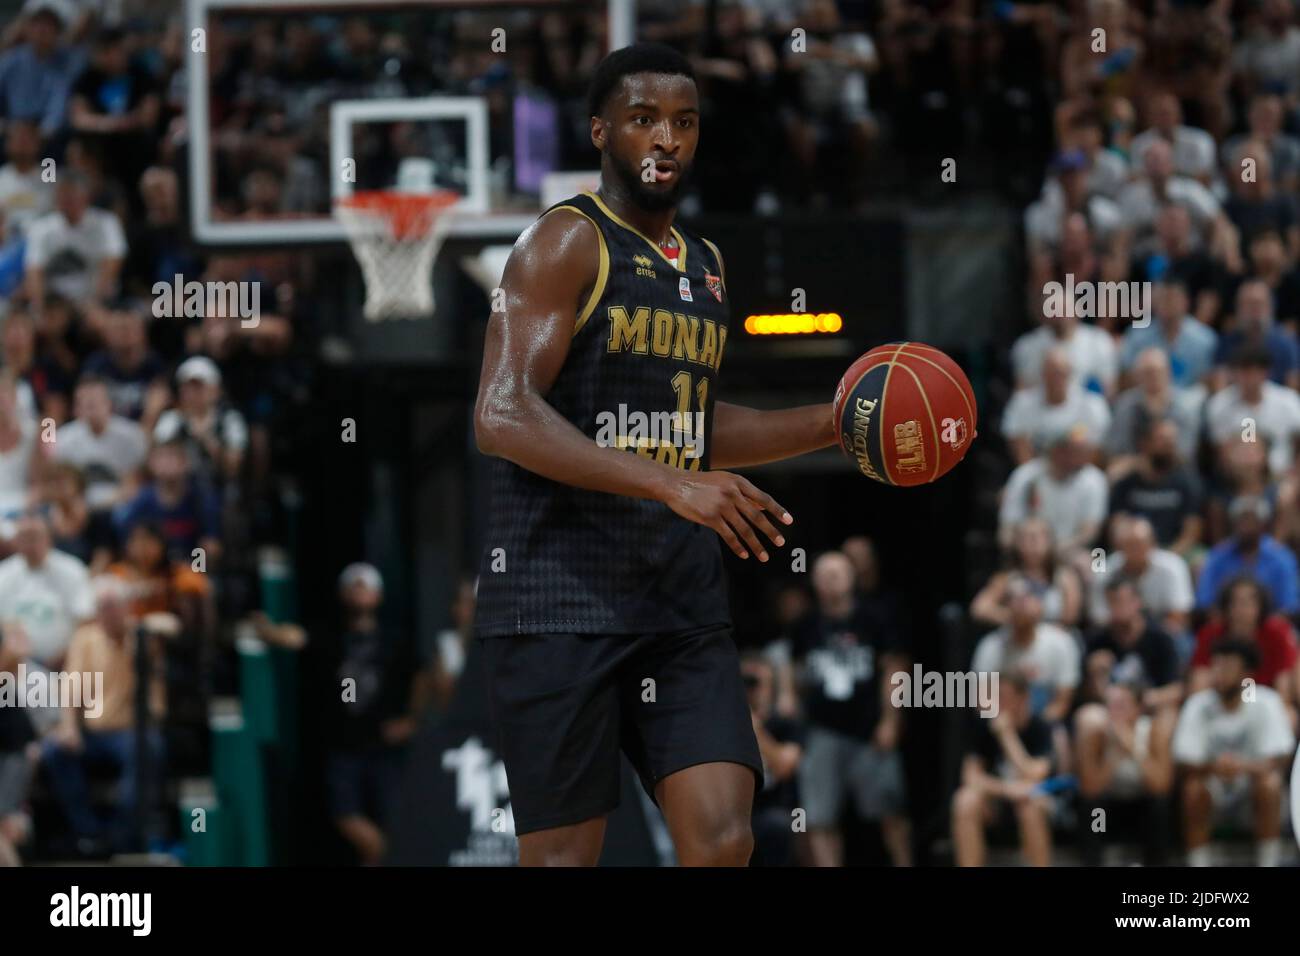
(644, 266)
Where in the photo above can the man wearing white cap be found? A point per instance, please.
(214, 433)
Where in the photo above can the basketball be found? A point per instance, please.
(905, 413)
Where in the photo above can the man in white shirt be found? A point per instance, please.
(1252, 408)
(1193, 149)
(1064, 489)
(75, 251)
(44, 591)
(1060, 402)
(24, 194)
(1163, 579)
(1141, 199)
(1043, 654)
(106, 447)
(1233, 741)
(1092, 352)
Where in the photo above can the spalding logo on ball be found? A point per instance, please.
(905, 413)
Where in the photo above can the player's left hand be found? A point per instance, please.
(731, 506)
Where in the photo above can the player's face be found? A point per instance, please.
(649, 131)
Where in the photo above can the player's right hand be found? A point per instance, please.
(731, 506)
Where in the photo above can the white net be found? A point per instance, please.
(395, 237)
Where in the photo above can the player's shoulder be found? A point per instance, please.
(563, 236)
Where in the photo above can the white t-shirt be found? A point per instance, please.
(1049, 662)
(1067, 506)
(1165, 586)
(1140, 204)
(1256, 729)
(1045, 217)
(1092, 352)
(24, 197)
(1276, 417)
(70, 255)
(1028, 415)
(104, 459)
(1193, 150)
(49, 601)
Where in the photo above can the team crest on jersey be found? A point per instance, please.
(643, 266)
(684, 287)
(714, 285)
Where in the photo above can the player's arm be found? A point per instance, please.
(752, 436)
(549, 274)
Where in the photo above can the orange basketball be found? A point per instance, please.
(905, 413)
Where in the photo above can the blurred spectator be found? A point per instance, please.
(1192, 149)
(1189, 345)
(1253, 408)
(1267, 57)
(25, 194)
(108, 448)
(35, 75)
(1107, 169)
(43, 591)
(1161, 577)
(1031, 556)
(374, 717)
(1067, 192)
(212, 431)
(1006, 759)
(15, 765)
(1091, 350)
(1254, 202)
(1268, 264)
(1043, 654)
(1162, 489)
(1265, 119)
(1177, 255)
(1152, 398)
(1063, 488)
(73, 529)
(47, 387)
(843, 655)
(117, 101)
(1245, 613)
(1159, 183)
(1131, 647)
(75, 251)
(20, 451)
(153, 584)
(780, 742)
(159, 248)
(133, 372)
(188, 511)
(1254, 328)
(1126, 770)
(446, 659)
(1252, 552)
(103, 732)
(1034, 414)
(1232, 751)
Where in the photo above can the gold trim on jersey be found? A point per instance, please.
(717, 257)
(679, 264)
(602, 273)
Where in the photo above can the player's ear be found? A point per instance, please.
(598, 132)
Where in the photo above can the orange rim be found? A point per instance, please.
(409, 215)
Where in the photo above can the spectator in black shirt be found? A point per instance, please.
(843, 654)
(1007, 758)
(780, 741)
(1162, 489)
(118, 101)
(1130, 648)
(374, 674)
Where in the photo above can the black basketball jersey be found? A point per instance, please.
(641, 376)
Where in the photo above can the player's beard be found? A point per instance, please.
(637, 189)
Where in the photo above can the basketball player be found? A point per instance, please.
(602, 603)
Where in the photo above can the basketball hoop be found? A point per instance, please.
(395, 237)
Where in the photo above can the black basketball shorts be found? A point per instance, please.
(564, 705)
